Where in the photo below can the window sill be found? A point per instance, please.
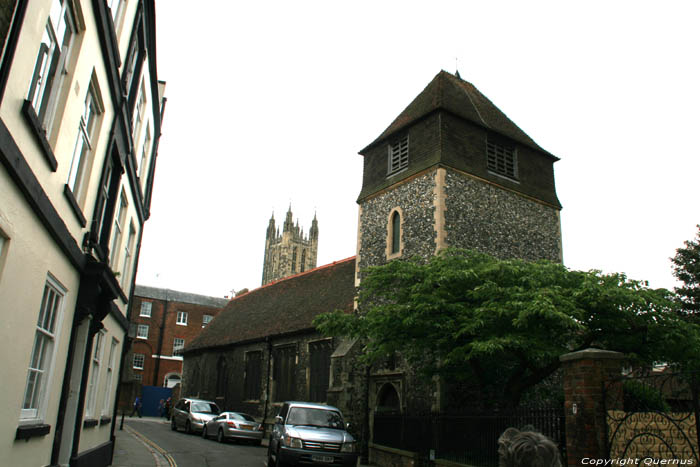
(40, 134)
(105, 420)
(68, 193)
(181, 324)
(90, 422)
(31, 431)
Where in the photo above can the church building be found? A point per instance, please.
(450, 170)
(291, 252)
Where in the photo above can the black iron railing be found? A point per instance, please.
(468, 438)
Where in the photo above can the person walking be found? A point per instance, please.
(168, 404)
(137, 407)
(161, 408)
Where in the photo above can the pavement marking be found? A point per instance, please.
(151, 444)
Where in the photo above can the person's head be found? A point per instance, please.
(526, 449)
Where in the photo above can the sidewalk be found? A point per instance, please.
(131, 449)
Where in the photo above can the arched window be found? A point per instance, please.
(303, 260)
(294, 259)
(395, 232)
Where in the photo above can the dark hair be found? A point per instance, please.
(527, 449)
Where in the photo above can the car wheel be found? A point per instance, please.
(188, 428)
(173, 426)
(204, 432)
(220, 436)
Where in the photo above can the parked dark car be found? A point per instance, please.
(307, 433)
(192, 414)
(234, 425)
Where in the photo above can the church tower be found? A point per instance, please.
(453, 170)
(292, 251)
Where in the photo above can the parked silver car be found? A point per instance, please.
(192, 414)
(306, 433)
(235, 425)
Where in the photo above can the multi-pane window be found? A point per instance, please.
(51, 62)
(131, 67)
(501, 159)
(142, 331)
(253, 375)
(398, 155)
(182, 318)
(178, 346)
(128, 254)
(119, 220)
(140, 110)
(42, 352)
(144, 153)
(106, 405)
(146, 308)
(84, 144)
(302, 268)
(138, 361)
(206, 319)
(294, 259)
(95, 374)
(319, 371)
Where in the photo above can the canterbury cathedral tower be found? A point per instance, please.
(289, 253)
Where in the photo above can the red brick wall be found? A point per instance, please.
(169, 329)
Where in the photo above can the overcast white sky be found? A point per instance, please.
(269, 103)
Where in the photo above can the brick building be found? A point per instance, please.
(163, 322)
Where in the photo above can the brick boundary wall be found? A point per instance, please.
(585, 373)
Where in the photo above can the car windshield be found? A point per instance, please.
(315, 417)
(205, 407)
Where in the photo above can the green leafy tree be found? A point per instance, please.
(470, 317)
(686, 268)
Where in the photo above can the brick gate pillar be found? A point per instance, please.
(585, 373)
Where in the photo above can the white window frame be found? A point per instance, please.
(177, 349)
(106, 405)
(142, 331)
(398, 156)
(84, 144)
(138, 357)
(206, 319)
(46, 339)
(140, 111)
(52, 60)
(94, 374)
(146, 309)
(128, 255)
(182, 318)
(144, 153)
(117, 231)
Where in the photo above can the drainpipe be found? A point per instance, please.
(159, 350)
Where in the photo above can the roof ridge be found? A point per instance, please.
(324, 266)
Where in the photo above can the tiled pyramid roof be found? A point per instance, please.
(447, 91)
(285, 306)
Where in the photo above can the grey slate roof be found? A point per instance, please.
(176, 296)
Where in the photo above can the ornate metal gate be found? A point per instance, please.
(653, 416)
